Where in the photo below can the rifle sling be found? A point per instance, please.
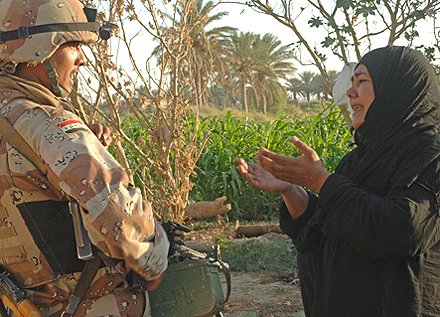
(86, 278)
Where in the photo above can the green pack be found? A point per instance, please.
(191, 288)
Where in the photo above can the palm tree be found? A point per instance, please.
(243, 61)
(206, 55)
(306, 78)
(294, 87)
(318, 83)
(274, 64)
(205, 49)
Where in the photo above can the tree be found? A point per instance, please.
(206, 53)
(164, 157)
(350, 26)
(294, 87)
(306, 80)
(243, 58)
(318, 83)
(274, 64)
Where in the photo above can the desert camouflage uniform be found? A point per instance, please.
(119, 221)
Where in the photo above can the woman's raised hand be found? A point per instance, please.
(306, 170)
(258, 177)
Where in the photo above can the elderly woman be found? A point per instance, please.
(369, 245)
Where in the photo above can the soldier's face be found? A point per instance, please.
(66, 60)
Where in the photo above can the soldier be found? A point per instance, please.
(39, 52)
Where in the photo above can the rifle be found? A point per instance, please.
(15, 298)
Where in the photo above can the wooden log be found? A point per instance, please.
(256, 230)
(207, 209)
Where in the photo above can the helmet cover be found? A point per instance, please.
(29, 13)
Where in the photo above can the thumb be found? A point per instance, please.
(303, 148)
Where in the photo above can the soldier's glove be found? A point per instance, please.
(175, 233)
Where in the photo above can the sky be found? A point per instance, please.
(247, 20)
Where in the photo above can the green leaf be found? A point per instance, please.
(418, 14)
(365, 11)
(346, 4)
(315, 22)
(328, 41)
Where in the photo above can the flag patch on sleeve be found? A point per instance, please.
(72, 126)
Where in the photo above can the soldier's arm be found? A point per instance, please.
(120, 223)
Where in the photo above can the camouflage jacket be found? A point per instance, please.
(119, 222)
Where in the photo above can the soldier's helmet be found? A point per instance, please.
(32, 30)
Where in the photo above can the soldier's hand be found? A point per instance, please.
(152, 285)
(175, 234)
(102, 133)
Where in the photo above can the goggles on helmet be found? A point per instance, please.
(105, 30)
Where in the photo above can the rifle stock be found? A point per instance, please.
(15, 298)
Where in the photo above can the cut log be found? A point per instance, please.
(256, 230)
(207, 209)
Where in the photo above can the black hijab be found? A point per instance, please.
(399, 142)
(400, 137)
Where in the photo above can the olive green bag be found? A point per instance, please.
(191, 287)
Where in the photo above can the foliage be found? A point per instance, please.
(258, 64)
(268, 253)
(232, 137)
(162, 149)
(352, 26)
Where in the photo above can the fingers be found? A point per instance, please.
(152, 285)
(243, 167)
(96, 129)
(240, 162)
(247, 171)
(273, 162)
(106, 136)
(102, 133)
(303, 148)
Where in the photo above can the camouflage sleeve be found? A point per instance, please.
(120, 223)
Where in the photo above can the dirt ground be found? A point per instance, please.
(253, 294)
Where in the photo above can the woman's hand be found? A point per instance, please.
(295, 197)
(102, 133)
(258, 177)
(306, 170)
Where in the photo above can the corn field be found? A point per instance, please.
(216, 174)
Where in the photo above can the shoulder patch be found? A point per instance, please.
(72, 126)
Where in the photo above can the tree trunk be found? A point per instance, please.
(346, 115)
(257, 230)
(207, 209)
(243, 94)
(264, 104)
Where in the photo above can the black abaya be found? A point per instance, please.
(370, 244)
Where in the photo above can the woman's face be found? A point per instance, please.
(361, 94)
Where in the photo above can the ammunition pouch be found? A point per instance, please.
(51, 227)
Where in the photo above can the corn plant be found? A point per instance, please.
(231, 137)
(216, 174)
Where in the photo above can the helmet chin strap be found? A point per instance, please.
(53, 79)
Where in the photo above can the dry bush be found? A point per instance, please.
(118, 84)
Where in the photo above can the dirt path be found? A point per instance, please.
(261, 295)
